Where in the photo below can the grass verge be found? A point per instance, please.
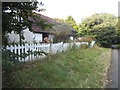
(75, 68)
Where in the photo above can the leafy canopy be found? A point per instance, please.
(102, 26)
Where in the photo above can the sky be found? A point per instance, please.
(78, 9)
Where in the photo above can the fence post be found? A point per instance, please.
(22, 48)
(37, 46)
(92, 44)
(26, 47)
(50, 48)
(7, 47)
(62, 46)
(15, 48)
(11, 48)
(19, 51)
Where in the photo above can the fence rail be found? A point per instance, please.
(48, 48)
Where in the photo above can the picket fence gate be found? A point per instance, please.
(48, 48)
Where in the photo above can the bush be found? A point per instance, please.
(7, 65)
(86, 38)
(8, 59)
(74, 47)
(84, 46)
(106, 37)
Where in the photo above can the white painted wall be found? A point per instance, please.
(27, 35)
(38, 37)
(13, 37)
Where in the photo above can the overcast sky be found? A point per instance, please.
(78, 9)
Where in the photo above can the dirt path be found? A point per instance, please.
(113, 73)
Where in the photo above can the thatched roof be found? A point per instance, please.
(56, 29)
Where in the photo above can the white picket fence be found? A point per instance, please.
(53, 48)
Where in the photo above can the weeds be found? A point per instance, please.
(74, 68)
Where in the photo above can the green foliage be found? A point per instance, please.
(84, 46)
(40, 53)
(70, 21)
(5, 39)
(16, 19)
(10, 58)
(8, 55)
(88, 38)
(74, 47)
(60, 19)
(106, 36)
(7, 65)
(118, 35)
(16, 16)
(117, 46)
(102, 26)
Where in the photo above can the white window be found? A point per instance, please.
(71, 37)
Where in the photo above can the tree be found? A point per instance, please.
(15, 17)
(118, 38)
(70, 20)
(102, 26)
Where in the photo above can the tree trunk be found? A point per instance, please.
(20, 39)
(20, 29)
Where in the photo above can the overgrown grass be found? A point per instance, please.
(75, 68)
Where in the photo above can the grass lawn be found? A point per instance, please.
(75, 68)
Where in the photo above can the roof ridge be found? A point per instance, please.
(48, 17)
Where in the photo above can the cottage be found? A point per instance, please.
(39, 35)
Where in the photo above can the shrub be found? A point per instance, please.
(8, 59)
(84, 46)
(118, 46)
(7, 65)
(86, 38)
